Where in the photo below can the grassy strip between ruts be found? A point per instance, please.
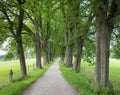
(83, 81)
(17, 87)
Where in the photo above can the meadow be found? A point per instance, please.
(83, 81)
(5, 67)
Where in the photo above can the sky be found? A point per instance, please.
(2, 52)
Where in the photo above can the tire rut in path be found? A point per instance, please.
(51, 83)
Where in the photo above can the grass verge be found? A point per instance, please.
(83, 81)
(77, 80)
(17, 87)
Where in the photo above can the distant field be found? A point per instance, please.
(5, 67)
(115, 73)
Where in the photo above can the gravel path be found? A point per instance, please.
(51, 83)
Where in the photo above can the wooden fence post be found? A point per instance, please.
(11, 75)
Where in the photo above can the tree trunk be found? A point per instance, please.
(69, 56)
(66, 41)
(36, 40)
(50, 54)
(18, 39)
(62, 53)
(103, 34)
(69, 48)
(78, 55)
(37, 46)
(37, 52)
(45, 58)
(21, 56)
(45, 53)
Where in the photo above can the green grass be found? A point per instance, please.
(83, 81)
(115, 75)
(5, 67)
(18, 86)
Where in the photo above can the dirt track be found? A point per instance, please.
(51, 83)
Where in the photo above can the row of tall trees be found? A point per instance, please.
(65, 28)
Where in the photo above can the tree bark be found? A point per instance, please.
(45, 58)
(69, 49)
(78, 55)
(50, 54)
(37, 46)
(104, 28)
(18, 39)
(69, 56)
(21, 56)
(45, 53)
(103, 34)
(62, 53)
(37, 52)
